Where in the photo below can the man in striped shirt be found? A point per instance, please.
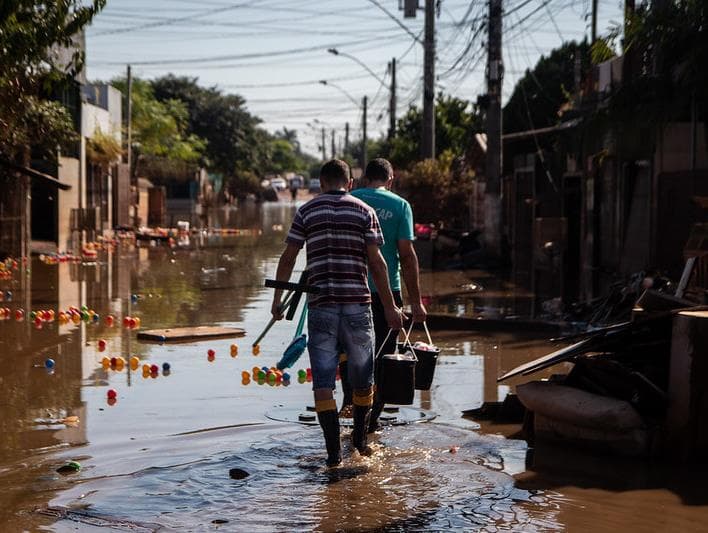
(343, 236)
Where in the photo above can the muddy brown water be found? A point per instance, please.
(159, 458)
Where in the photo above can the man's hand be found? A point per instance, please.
(419, 312)
(394, 317)
(276, 309)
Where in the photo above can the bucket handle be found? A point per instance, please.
(405, 340)
(410, 329)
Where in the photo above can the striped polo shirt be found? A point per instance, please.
(337, 229)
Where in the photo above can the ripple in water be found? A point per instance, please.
(412, 483)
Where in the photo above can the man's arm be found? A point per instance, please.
(283, 273)
(379, 271)
(409, 266)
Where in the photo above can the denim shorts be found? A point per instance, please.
(347, 327)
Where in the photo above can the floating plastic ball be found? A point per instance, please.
(256, 349)
(154, 369)
(286, 376)
(49, 363)
(112, 394)
(137, 322)
(101, 345)
(234, 350)
(105, 363)
(96, 318)
(19, 315)
(146, 368)
(120, 364)
(245, 375)
(113, 362)
(8, 296)
(301, 373)
(165, 367)
(37, 322)
(211, 353)
(134, 362)
(33, 315)
(134, 298)
(110, 321)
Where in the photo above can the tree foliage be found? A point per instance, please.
(237, 147)
(160, 127)
(541, 93)
(666, 54)
(32, 35)
(457, 121)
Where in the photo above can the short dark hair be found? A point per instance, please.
(335, 172)
(379, 169)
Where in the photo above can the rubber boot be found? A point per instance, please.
(329, 421)
(376, 411)
(345, 411)
(359, 433)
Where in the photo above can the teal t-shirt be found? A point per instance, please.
(396, 220)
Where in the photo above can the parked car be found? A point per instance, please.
(315, 185)
(279, 183)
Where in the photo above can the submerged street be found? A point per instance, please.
(160, 456)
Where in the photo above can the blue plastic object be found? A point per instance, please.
(297, 347)
(49, 363)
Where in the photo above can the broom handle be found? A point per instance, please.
(301, 322)
(283, 306)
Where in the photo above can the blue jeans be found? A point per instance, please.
(347, 327)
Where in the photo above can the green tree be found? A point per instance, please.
(31, 35)
(160, 127)
(457, 121)
(234, 140)
(540, 95)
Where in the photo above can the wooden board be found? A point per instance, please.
(189, 334)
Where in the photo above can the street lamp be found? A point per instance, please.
(341, 90)
(336, 52)
(363, 110)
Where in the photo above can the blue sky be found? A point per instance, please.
(274, 52)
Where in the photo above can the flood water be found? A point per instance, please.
(159, 457)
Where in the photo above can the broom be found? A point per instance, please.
(297, 346)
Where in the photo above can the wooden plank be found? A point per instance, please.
(189, 334)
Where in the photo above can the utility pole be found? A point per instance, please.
(129, 127)
(428, 144)
(495, 75)
(334, 148)
(392, 104)
(593, 35)
(363, 141)
(346, 137)
(324, 146)
(133, 209)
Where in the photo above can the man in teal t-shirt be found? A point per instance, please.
(396, 220)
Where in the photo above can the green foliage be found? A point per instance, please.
(243, 183)
(31, 35)
(541, 93)
(667, 44)
(438, 190)
(236, 146)
(160, 127)
(103, 149)
(457, 121)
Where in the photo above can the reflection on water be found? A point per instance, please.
(161, 455)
